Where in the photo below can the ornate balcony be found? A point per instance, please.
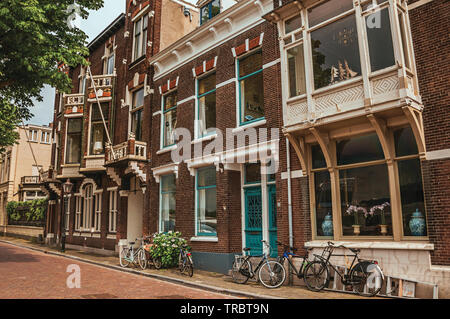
(103, 84)
(74, 103)
(25, 180)
(130, 150)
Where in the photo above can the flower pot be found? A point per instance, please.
(327, 225)
(417, 224)
(356, 229)
(383, 229)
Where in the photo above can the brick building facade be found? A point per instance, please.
(358, 99)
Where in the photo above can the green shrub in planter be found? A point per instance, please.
(167, 247)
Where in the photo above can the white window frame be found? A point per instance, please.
(143, 42)
(88, 207)
(78, 211)
(45, 137)
(67, 212)
(162, 146)
(98, 196)
(113, 212)
(132, 111)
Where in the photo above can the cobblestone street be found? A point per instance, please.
(28, 274)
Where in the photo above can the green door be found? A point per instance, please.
(253, 220)
(273, 219)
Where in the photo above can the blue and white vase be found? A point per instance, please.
(327, 225)
(417, 224)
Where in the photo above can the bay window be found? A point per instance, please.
(137, 108)
(206, 195)
(251, 93)
(167, 202)
(169, 119)
(206, 105)
(97, 129)
(73, 144)
(365, 183)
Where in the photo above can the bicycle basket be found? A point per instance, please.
(239, 260)
(327, 252)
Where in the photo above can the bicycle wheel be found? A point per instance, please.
(123, 257)
(316, 276)
(272, 274)
(142, 259)
(241, 273)
(157, 262)
(188, 268)
(366, 278)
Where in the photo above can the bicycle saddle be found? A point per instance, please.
(246, 249)
(132, 243)
(355, 250)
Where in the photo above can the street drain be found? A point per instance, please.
(99, 296)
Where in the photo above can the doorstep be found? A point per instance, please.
(205, 280)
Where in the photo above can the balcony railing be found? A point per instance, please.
(131, 150)
(103, 85)
(74, 103)
(30, 180)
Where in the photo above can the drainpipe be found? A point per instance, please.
(288, 155)
(291, 235)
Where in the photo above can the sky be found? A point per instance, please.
(96, 23)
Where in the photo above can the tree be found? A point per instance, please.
(36, 36)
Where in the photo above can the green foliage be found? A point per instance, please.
(35, 37)
(167, 247)
(34, 210)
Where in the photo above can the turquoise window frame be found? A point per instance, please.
(239, 80)
(199, 96)
(197, 188)
(163, 118)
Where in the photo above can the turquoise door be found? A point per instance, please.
(273, 219)
(253, 220)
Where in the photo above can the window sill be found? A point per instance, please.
(211, 239)
(204, 138)
(373, 245)
(250, 125)
(166, 149)
(136, 62)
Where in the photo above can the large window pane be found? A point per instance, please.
(73, 151)
(136, 124)
(98, 139)
(207, 201)
(292, 24)
(168, 203)
(318, 160)
(252, 173)
(252, 98)
(327, 10)
(335, 52)
(359, 149)
(405, 142)
(296, 70)
(207, 114)
(379, 37)
(322, 186)
(207, 84)
(365, 201)
(411, 190)
(170, 118)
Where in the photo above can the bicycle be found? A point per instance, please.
(270, 272)
(155, 261)
(365, 277)
(288, 255)
(129, 255)
(185, 263)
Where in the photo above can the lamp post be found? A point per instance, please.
(66, 189)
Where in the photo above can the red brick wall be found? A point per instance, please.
(429, 27)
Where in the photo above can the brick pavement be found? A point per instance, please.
(202, 279)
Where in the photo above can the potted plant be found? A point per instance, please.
(380, 209)
(353, 209)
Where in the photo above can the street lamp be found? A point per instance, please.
(66, 189)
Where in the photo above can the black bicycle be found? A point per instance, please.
(365, 276)
(289, 255)
(270, 272)
(185, 262)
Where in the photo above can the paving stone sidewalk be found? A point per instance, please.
(211, 281)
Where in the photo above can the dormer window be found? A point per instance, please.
(209, 11)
